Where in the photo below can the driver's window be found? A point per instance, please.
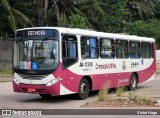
(69, 50)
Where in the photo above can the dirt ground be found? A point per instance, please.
(121, 103)
(146, 95)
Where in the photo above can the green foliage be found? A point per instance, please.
(116, 15)
(120, 91)
(144, 99)
(11, 18)
(5, 71)
(103, 94)
(132, 96)
(141, 9)
(78, 21)
(157, 13)
(146, 29)
(93, 13)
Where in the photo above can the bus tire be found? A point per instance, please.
(133, 82)
(83, 91)
(45, 96)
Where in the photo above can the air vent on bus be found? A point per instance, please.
(33, 77)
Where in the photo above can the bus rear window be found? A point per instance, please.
(146, 47)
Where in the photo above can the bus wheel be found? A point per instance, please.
(45, 96)
(83, 89)
(133, 82)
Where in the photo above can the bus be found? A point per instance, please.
(58, 61)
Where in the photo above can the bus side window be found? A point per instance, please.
(69, 50)
(121, 48)
(89, 47)
(107, 48)
(93, 44)
(72, 49)
(135, 49)
(146, 49)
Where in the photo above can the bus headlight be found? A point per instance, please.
(54, 81)
(16, 81)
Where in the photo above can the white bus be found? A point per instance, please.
(58, 61)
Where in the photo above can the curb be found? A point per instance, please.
(5, 75)
(1, 81)
(5, 78)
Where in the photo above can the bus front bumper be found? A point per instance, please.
(37, 89)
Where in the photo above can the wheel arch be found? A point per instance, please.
(136, 76)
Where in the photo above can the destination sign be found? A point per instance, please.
(37, 32)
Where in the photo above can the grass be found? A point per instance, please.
(103, 94)
(157, 72)
(120, 91)
(131, 98)
(144, 99)
(5, 71)
(141, 99)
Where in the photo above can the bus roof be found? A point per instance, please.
(88, 32)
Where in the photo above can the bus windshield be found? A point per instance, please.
(36, 54)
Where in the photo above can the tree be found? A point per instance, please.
(57, 12)
(78, 21)
(11, 18)
(92, 11)
(62, 12)
(142, 8)
(158, 9)
(116, 14)
(145, 29)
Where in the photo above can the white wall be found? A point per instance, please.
(158, 56)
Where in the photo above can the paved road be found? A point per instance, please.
(151, 88)
(9, 99)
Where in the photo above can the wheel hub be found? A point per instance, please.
(83, 88)
(133, 82)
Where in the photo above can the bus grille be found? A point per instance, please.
(33, 77)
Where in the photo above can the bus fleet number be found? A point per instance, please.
(86, 64)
